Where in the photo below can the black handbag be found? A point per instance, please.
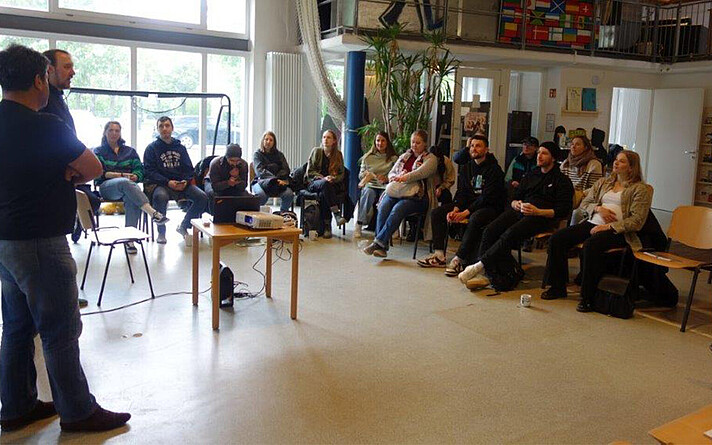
(614, 297)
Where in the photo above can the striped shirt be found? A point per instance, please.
(592, 173)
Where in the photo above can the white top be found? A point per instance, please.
(611, 201)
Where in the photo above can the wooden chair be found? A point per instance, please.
(109, 236)
(690, 226)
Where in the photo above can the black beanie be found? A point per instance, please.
(233, 151)
(553, 148)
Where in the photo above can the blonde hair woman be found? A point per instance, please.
(616, 209)
(375, 164)
(325, 177)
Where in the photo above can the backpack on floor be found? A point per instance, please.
(614, 297)
(505, 274)
(310, 216)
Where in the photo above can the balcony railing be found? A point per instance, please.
(628, 29)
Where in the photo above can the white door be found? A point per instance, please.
(477, 109)
(674, 138)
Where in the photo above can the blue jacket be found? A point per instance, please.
(163, 162)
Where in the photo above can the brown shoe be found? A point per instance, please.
(478, 282)
(101, 420)
(42, 410)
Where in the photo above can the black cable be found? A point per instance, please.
(169, 294)
(136, 106)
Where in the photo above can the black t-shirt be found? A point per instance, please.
(35, 149)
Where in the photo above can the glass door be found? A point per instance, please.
(476, 107)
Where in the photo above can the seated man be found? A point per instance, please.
(169, 175)
(227, 175)
(480, 198)
(524, 163)
(544, 196)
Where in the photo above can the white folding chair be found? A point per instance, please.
(109, 236)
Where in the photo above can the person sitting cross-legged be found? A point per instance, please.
(544, 196)
(122, 173)
(411, 190)
(375, 164)
(616, 208)
(479, 199)
(325, 177)
(169, 175)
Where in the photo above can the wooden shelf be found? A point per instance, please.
(580, 113)
(703, 203)
(705, 145)
(705, 182)
(706, 163)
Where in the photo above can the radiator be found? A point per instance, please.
(284, 103)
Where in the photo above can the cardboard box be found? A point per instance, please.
(689, 429)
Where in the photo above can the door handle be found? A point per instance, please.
(690, 152)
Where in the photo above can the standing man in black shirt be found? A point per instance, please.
(38, 273)
(61, 71)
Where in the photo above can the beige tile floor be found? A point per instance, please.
(383, 351)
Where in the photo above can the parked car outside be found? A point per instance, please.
(185, 129)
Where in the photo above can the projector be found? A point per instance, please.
(259, 220)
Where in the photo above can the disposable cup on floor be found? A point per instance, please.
(313, 235)
(525, 300)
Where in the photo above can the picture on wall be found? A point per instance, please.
(588, 99)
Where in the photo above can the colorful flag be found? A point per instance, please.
(557, 6)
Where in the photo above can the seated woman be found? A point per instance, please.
(411, 190)
(375, 164)
(122, 172)
(583, 169)
(325, 177)
(445, 177)
(227, 175)
(616, 209)
(271, 173)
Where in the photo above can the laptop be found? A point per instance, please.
(225, 207)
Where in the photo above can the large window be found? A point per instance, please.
(110, 65)
(230, 16)
(99, 66)
(187, 11)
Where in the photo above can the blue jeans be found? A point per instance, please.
(127, 191)
(197, 197)
(391, 212)
(366, 202)
(39, 294)
(286, 197)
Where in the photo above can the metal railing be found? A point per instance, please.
(606, 28)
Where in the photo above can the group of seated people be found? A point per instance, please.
(602, 212)
(498, 210)
(167, 173)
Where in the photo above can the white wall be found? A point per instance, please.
(603, 81)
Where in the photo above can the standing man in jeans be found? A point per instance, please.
(38, 273)
(61, 71)
(169, 175)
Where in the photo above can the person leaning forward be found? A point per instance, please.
(38, 273)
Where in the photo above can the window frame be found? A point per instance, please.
(79, 15)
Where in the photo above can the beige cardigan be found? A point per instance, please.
(635, 205)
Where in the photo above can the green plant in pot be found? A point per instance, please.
(407, 84)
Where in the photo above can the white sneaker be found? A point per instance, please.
(357, 230)
(469, 273)
(188, 240)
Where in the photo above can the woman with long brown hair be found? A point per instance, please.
(325, 177)
(375, 165)
(271, 173)
(616, 209)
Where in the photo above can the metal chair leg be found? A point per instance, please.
(148, 273)
(86, 266)
(126, 252)
(689, 300)
(417, 235)
(106, 271)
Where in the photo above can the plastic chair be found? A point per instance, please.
(109, 236)
(690, 226)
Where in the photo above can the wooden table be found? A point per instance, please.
(223, 234)
(689, 429)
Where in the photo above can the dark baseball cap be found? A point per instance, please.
(531, 140)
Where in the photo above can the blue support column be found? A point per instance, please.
(355, 80)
